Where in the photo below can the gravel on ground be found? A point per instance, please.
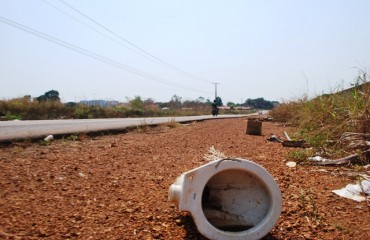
(116, 186)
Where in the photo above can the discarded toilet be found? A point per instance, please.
(229, 199)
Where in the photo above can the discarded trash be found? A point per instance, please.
(355, 192)
(287, 136)
(49, 138)
(229, 199)
(317, 158)
(354, 159)
(291, 164)
(254, 127)
(355, 141)
(274, 138)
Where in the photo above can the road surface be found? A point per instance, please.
(10, 130)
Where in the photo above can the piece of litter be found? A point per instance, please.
(49, 138)
(274, 138)
(316, 158)
(291, 164)
(355, 191)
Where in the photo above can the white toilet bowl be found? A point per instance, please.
(229, 199)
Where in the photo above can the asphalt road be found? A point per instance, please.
(10, 130)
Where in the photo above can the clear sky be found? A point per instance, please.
(113, 49)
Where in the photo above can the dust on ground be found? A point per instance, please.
(116, 186)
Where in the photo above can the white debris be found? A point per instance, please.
(291, 164)
(358, 192)
(274, 138)
(49, 138)
(317, 158)
(319, 170)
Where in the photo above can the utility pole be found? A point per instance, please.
(215, 89)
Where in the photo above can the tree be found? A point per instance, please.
(201, 100)
(260, 103)
(175, 102)
(231, 104)
(150, 105)
(51, 95)
(70, 104)
(136, 103)
(218, 101)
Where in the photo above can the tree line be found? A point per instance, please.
(49, 106)
(257, 103)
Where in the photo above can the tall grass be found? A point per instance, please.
(27, 109)
(328, 116)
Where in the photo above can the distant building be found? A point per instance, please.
(243, 108)
(235, 108)
(99, 103)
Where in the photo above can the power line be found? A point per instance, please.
(95, 30)
(88, 26)
(92, 54)
(152, 57)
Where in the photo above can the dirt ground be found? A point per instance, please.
(116, 186)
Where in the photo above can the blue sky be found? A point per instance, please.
(272, 49)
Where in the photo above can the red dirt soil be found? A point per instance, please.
(116, 186)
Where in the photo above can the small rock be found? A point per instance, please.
(179, 222)
(291, 164)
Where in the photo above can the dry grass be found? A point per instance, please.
(27, 109)
(325, 118)
(214, 155)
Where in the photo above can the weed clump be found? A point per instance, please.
(321, 121)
